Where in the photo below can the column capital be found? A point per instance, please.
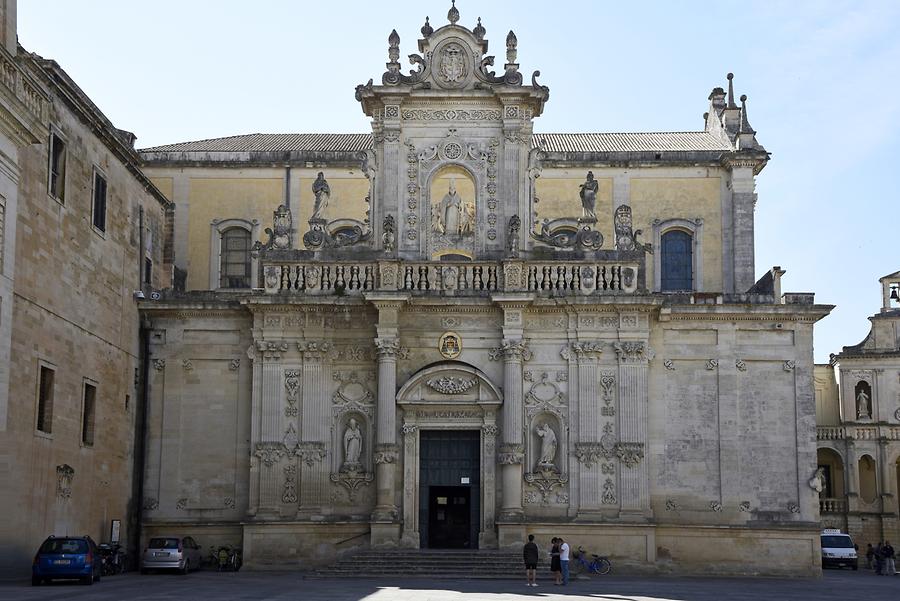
(389, 348)
(511, 349)
(633, 352)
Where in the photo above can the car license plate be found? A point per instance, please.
(62, 562)
(160, 554)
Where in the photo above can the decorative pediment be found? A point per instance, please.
(449, 383)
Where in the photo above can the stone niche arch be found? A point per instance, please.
(452, 229)
(450, 395)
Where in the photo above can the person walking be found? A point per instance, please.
(530, 555)
(888, 550)
(554, 561)
(879, 559)
(564, 560)
(870, 556)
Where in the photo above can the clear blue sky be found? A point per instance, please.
(821, 77)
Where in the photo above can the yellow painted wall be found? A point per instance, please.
(682, 198)
(166, 185)
(558, 195)
(231, 198)
(348, 197)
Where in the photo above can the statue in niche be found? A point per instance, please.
(862, 405)
(322, 192)
(548, 447)
(588, 195)
(817, 482)
(352, 446)
(453, 217)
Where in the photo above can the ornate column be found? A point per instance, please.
(591, 434)
(634, 493)
(512, 449)
(268, 447)
(315, 423)
(385, 526)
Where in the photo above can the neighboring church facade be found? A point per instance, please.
(455, 332)
(858, 434)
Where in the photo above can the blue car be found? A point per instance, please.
(69, 557)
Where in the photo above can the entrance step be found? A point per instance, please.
(431, 563)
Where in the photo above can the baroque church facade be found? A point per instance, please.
(454, 332)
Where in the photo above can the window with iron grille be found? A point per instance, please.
(99, 205)
(45, 400)
(677, 261)
(88, 414)
(56, 184)
(235, 259)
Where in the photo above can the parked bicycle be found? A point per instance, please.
(597, 565)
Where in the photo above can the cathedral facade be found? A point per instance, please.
(454, 332)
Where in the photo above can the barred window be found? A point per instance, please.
(235, 259)
(45, 400)
(88, 414)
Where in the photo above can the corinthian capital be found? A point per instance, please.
(511, 349)
(390, 347)
(633, 352)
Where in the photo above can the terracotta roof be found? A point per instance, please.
(690, 141)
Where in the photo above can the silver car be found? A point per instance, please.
(171, 553)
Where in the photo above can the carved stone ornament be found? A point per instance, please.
(281, 232)
(511, 349)
(159, 364)
(544, 391)
(585, 238)
(590, 453)
(450, 385)
(607, 382)
(546, 480)
(744, 506)
(182, 504)
(450, 345)
(633, 352)
(511, 454)
(290, 484)
(351, 390)
(715, 506)
(740, 365)
(270, 452)
(789, 365)
(625, 238)
(351, 479)
(793, 508)
(310, 452)
(453, 65)
(490, 430)
(669, 364)
(187, 364)
(630, 453)
(390, 347)
(512, 236)
(587, 349)
(388, 235)
(609, 493)
(234, 364)
(671, 505)
(712, 364)
(386, 453)
(151, 503)
(271, 349)
(65, 474)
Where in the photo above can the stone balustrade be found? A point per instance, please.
(17, 85)
(829, 433)
(827, 505)
(451, 278)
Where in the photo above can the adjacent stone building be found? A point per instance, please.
(454, 332)
(82, 229)
(858, 416)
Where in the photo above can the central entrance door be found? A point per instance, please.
(449, 488)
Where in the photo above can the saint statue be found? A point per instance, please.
(322, 193)
(548, 447)
(468, 222)
(589, 197)
(862, 404)
(817, 482)
(451, 211)
(352, 445)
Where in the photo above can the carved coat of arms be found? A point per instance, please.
(453, 64)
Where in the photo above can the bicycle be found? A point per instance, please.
(598, 564)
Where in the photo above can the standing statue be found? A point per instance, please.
(862, 405)
(817, 482)
(352, 445)
(451, 211)
(322, 192)
(512, 236)
(588, 195)
(548, 447)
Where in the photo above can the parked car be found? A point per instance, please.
(838, 550)
(171, 553)
(69, 557)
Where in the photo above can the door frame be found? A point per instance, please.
(426, 408)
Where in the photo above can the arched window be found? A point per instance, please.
(676, 261)
(234, 271)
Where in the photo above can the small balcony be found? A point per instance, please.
(22, 100)
(831, 505)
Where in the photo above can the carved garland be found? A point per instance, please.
(449, 385)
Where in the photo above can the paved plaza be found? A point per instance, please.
(258, 586)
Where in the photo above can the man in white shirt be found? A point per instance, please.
(564, 560)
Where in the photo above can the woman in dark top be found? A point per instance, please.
(555, 567)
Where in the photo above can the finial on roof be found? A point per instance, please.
(394, 39)
(731, 103)
(427, 29)
(479, 30)
(511, 43)
(745, 123)
(453, 14)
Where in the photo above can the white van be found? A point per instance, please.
(838, 550)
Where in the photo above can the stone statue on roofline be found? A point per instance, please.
(322, 192)
(588, 195)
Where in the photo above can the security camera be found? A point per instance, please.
(155, 295)
(138, 295)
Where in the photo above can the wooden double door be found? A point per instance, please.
(449, 488)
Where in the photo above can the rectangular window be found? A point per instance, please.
(56, 185)
(99, 206)
(148, 270)
(45, 400)
(88, 414)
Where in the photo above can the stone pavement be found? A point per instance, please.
(262, 586)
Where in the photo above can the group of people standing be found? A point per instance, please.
(881, 558)
(559, 560)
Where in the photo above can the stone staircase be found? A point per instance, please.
(431, 563)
